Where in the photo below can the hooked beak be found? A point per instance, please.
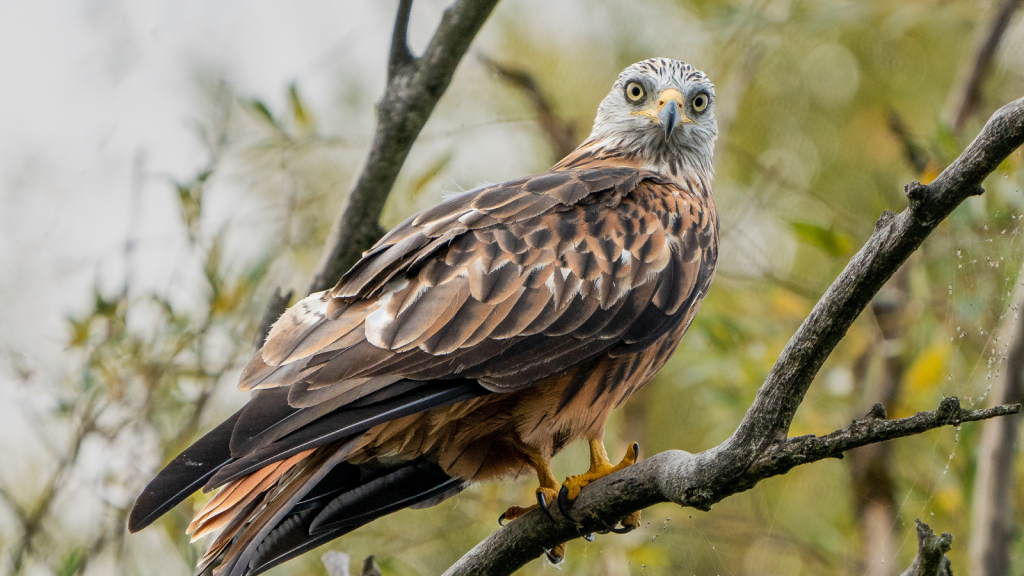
(670, 103)
(669, 117)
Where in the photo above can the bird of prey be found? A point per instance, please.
(473, 342)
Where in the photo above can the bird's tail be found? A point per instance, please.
(317, 499)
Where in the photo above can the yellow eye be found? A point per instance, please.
(634, 91)
(700, 102)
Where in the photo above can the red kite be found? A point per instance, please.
(473, 342)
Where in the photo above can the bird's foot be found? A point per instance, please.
(574, 484)
(544, 497)
(628, 523)
(556, 553)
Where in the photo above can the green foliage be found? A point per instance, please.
(833, 242)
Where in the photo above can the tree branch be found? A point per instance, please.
(400, 56)
(561, 134)
(964, 98)
(415, 84)
(759, 447)
(684, 478)
(931, 553)
(895, 238)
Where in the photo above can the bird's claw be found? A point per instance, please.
(589, 537)
(564, 504)
(556, 554)
(574, 484)
(544, 495)
(542, 501)
(629, 523)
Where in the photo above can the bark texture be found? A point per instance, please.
(760, 447)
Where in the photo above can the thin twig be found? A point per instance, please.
(759, 447)
(966, 95)
(415, 84)
(912, 151)
(560, 133)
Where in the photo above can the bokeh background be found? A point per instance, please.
(164, 166)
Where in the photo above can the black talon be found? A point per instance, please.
(564, 504)
(636, 450)
(542, 501)
(552, 558)
(501, 520)
(589, 537)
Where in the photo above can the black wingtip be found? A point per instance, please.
(183, 476)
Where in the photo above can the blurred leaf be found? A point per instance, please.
(211, 271)
(263, 112)
(723, 332)
(928, 368)
(80, 330)
(931, 172)
(300, 114)
(830, 240)
(421, 181)
(950, 498)
(72, 563)
(789, 304)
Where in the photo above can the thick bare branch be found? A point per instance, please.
(896, 236)
(966, 94)
(931, 553)
(415, 84)
(689, 480)
(759, 448)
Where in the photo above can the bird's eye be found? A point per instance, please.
(700, 102)
(634, 91)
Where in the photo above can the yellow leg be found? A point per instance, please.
(547, 492)
(600, 467)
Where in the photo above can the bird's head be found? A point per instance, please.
(663, 111)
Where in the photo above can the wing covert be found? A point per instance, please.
(506, 286)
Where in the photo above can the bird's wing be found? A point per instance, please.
(490, 291)
(506, 285)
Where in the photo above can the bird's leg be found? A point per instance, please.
(600, 467)
(547, 492)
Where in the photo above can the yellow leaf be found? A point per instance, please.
(949, 499)
(931, 172)
(788, 304)
(928, 368)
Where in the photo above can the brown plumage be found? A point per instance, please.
(474, 341)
